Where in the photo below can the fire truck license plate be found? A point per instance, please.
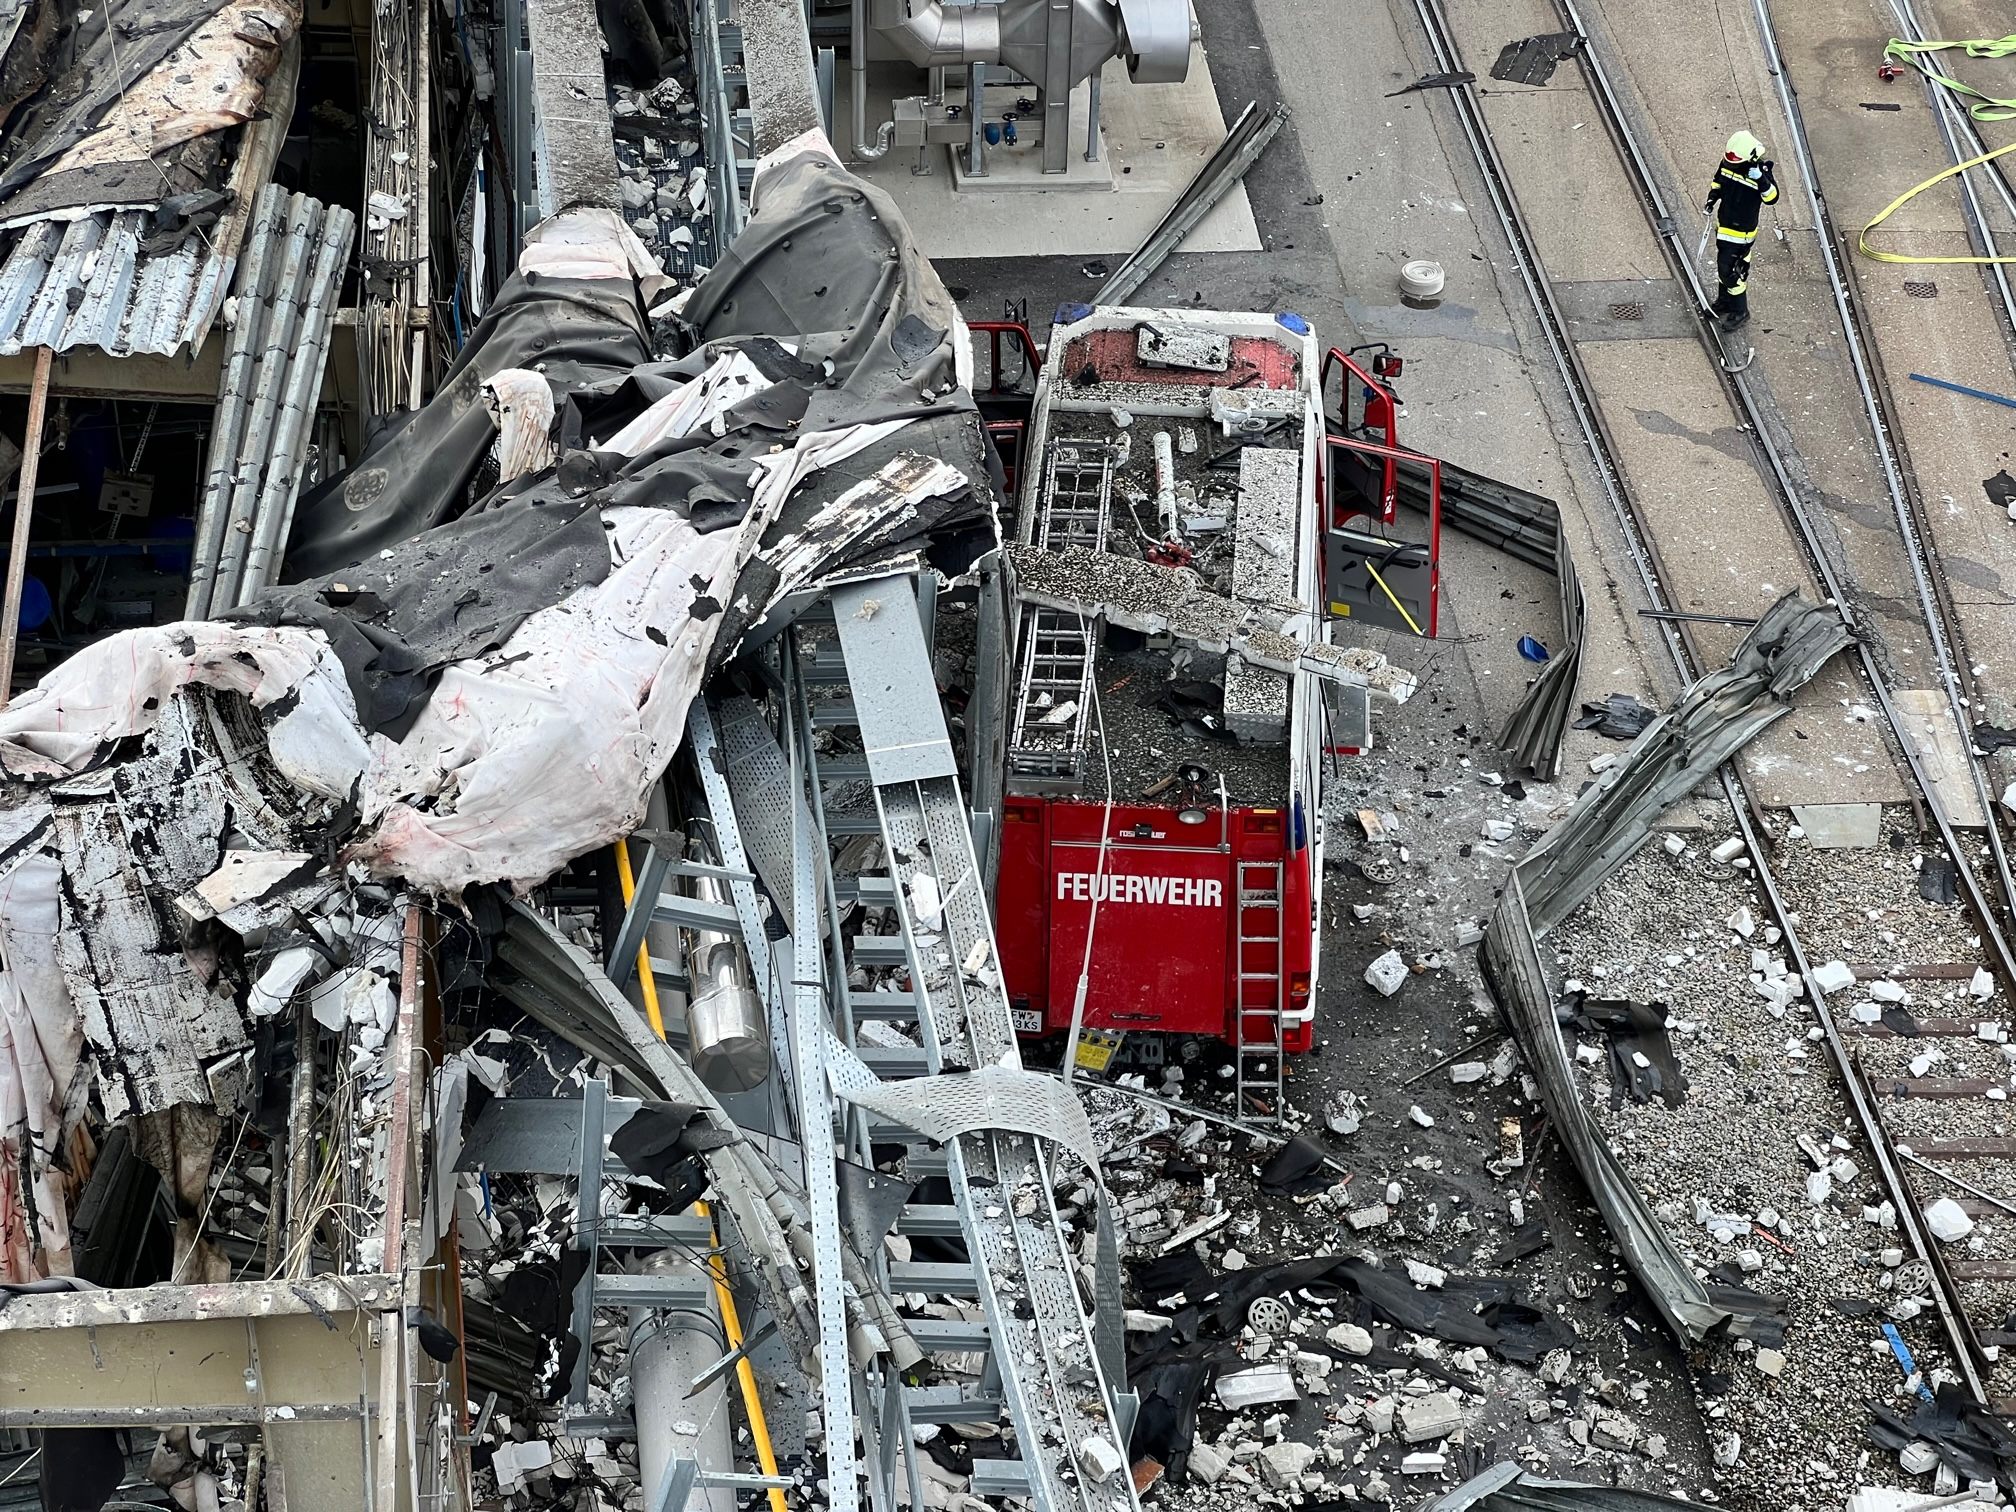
(1027, 1021)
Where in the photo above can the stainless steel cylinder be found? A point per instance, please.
(727, 1032)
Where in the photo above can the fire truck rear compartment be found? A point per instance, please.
(1163, 705)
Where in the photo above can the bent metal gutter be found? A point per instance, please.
(1716, 717)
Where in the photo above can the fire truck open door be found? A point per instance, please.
(1363, 409)
(1377, 579)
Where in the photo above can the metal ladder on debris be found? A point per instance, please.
(1042, 1370)
(1046, 742)
(686, 1285)
(1261, 987)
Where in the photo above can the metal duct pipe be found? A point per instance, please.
(233, 401)
(282, 320)
(1153, 36)
(273, 515)
(727, 1033)
(1165, 485)
(938, 36)
(667, 1350)
(857, 63)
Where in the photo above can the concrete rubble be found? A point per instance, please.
(458, 995)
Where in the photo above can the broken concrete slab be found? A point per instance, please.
(1387, 973)
(1207, 1463)
(1256, 1386)
(1840, 826)
(1434, 1416)
(1283, 1463)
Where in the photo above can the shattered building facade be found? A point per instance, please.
(516, 957)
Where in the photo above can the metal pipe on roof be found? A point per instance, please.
(857, 64)
(231, 406)
(24, 510)
(282, 319)
(274, 513)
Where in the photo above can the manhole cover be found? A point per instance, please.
(1921, 288)
(1913, 1279)
(1631, 310)
(1269, 1315)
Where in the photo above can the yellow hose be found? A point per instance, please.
(1987, 108)
(1412, 624)
(752, 1401)
(645, 980)
(731, 1321)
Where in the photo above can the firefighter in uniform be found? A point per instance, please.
(1743, 186)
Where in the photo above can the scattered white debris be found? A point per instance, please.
(1421, 1116)
(1729, 849)
(1499, 830)
(1464, 1072)
(1099, 1459)
(1832, 977)
(1343, 1113)
(1256, 1386)
(1386, 974)
(1771, 1361)
(1948, 1220)
(1423, 1274)
(512, 1461)
(1982, 987)
(1674, 845)
(1743, 922)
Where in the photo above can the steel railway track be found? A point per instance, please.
(1743, 395)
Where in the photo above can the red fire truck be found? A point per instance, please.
(1160, 796)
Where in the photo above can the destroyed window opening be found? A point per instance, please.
(210, 1201)
(339, 1110)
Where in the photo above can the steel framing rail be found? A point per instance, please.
(1051, 1378)
(1241, 149)
(1912, 527)
(1678, 638)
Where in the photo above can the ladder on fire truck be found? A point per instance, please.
(1261, 989)
(1052, 719)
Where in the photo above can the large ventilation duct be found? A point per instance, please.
(1152, 35)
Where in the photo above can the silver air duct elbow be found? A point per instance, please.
(1154, 37)
(931, 35)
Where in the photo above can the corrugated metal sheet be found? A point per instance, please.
(1714, 719)
(86, 282)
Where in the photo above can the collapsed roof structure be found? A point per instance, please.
(552, 927)
(260, 877)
